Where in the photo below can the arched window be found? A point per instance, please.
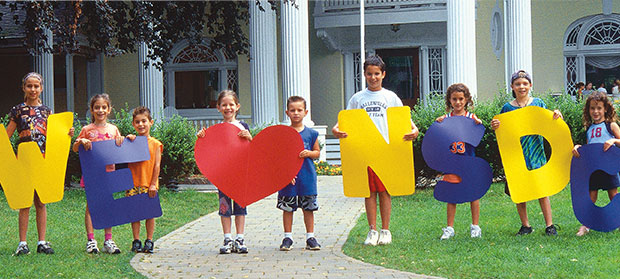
(197, 74)
(592, 51)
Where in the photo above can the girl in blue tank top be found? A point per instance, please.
(599, 117)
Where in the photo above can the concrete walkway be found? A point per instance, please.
(192, 251)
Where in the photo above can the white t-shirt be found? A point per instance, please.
(376, 103)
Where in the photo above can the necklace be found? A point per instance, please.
(518, 104)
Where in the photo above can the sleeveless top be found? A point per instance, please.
(599, 133)
(459, 147)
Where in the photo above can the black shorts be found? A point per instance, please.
(600, 180)
(290, 204)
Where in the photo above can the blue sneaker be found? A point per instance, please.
(312, 244)
(136, 246)
(148, 246)
(286, 245)
(45, 248)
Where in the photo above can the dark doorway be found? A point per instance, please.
(599, 75)
(402, 73)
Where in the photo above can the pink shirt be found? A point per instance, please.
(94, 133)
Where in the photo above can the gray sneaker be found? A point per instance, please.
(475, 231)
(227, 247)
(448, 232)
(22, 249)
(239, 246)
(91, 247)
(110, 247)
(372, 238)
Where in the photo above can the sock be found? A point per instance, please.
(108, 236)
(90, 236)
(288, 234)
(41, 242)
(239, 236)
(21, 243)
(309, 235)
(228, 235)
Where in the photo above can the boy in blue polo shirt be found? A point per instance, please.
(302, 191)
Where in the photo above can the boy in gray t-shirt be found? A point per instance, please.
(375, 100)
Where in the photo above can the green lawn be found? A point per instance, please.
(416, 226)
(65, 230)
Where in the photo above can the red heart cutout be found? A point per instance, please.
(249, 171)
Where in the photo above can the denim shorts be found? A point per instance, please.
(228, 207)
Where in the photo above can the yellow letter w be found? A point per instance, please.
(29, 171)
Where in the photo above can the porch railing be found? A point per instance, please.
(207, 121)
(339, 6)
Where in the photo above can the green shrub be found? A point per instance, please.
(424, 115)
(74, 171)
(123, 119)
(5, 121)
(179, 137)
(572, 112)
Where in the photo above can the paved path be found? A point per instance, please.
(192, 250)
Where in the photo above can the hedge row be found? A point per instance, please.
(178, 135)
(423, 116)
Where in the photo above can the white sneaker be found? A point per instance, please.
(385, 237)
(475, 231)
(372, 238)
(110, 247)
(448, 232)
(91, 247)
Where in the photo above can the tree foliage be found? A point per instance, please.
(117, 27)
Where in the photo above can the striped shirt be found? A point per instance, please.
(533, 148)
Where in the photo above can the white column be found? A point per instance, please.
(519, 37)
(70, 82)
(425, 75)
(462, 44)
(581, 68)
(349, 76)
(44, 65)
(94, 76)
(151, 83)
(263, 64)
(607, 7)
(296, 54)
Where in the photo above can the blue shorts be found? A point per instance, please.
(229, 207)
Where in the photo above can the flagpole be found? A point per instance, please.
(362, 48)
